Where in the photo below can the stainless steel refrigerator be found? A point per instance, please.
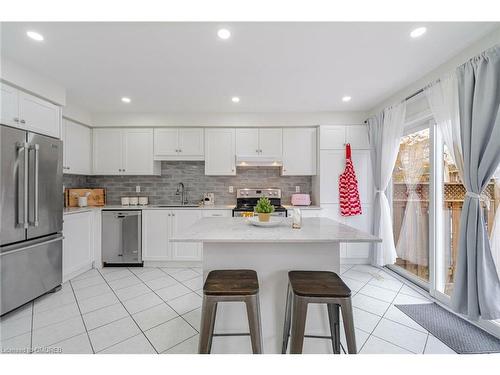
(31, 210)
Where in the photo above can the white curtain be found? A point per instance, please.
(384, 139)
(443, 101)
(495, 231)
(412, 242)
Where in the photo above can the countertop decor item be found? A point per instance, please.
(96, 197)
(296, 218)
(301, 200)
(264, 209)
(272, 222)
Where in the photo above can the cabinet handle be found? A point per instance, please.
(257, 151)
(16, 119)
(180, 150)
(23, 122)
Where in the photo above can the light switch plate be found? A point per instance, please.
(138, 189)
(231, 189)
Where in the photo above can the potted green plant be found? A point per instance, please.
(264, 209)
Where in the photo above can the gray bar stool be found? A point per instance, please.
(230, 286)
(306, 287)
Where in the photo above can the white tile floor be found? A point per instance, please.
(157, 310)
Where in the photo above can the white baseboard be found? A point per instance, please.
(78, 271)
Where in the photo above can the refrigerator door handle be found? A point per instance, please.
(36, 149)
(23, 148)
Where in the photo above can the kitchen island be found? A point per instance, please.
(232, 243)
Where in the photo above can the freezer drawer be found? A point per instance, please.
(121, 237)
(29, 270)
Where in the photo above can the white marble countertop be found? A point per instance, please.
(74, 210)
(317, 229)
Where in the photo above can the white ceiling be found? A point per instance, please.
(272, 67)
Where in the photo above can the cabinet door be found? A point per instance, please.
(332, 163)
(362, 222)
(39, 115)
(191, 142)
(9, 105)
(77, 244)
(362, 166)
(271, 142)
(166, 142)
(77, 148)
(181, 220)
(156, 230)
(332, 137)
(220, 152)
(107, 155)
(357, 136)
(247, 142)
(299, 152)
(138, 152)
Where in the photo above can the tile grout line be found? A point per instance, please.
(183, 341)
(426, 341)
(382, 317)
(128, 312)
(81, 316)
(173, 298)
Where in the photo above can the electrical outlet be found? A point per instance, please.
(231, 189)
(297, 189)
(138, 189)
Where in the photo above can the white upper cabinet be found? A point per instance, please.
(138, 152)
(9, 105)
(220, 152)
(332, 137)
(299, 152)
(259, 142)
(77, 145)
(165, 142)
(270, 142)
(357, 136)
(108, 150)
(247, 142)
(178, 144)
(29, 112)
(123, 152)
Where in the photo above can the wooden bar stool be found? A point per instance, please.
(306, 287)
(230, 286)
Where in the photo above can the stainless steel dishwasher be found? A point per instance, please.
(121, 237)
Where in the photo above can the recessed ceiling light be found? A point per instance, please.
(235, 99)
(346, 98)
(126, 100)
(224, 34)
(419, 31)
(35, 36)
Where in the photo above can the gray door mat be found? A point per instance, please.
(457, 333)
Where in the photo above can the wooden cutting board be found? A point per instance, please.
(97, 197)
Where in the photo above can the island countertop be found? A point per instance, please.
(229, 229)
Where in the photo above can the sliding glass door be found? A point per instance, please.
(410, 204)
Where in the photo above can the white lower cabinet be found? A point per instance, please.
(158, 226)
(78, 244)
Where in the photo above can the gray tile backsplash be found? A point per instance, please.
(161, 189)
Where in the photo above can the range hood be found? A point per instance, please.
(258, 161)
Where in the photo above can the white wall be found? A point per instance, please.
(76, 113)
(228, 119)
(28, 80)
(484, 43)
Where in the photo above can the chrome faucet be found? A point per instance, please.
(181, 190)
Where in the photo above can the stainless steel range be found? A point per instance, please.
(246, 200)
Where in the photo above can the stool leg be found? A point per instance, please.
(253, 312)
(299, 324)
(207, 325)
(333, 317)
(347, 316)
(212, 326)
(288, 320)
